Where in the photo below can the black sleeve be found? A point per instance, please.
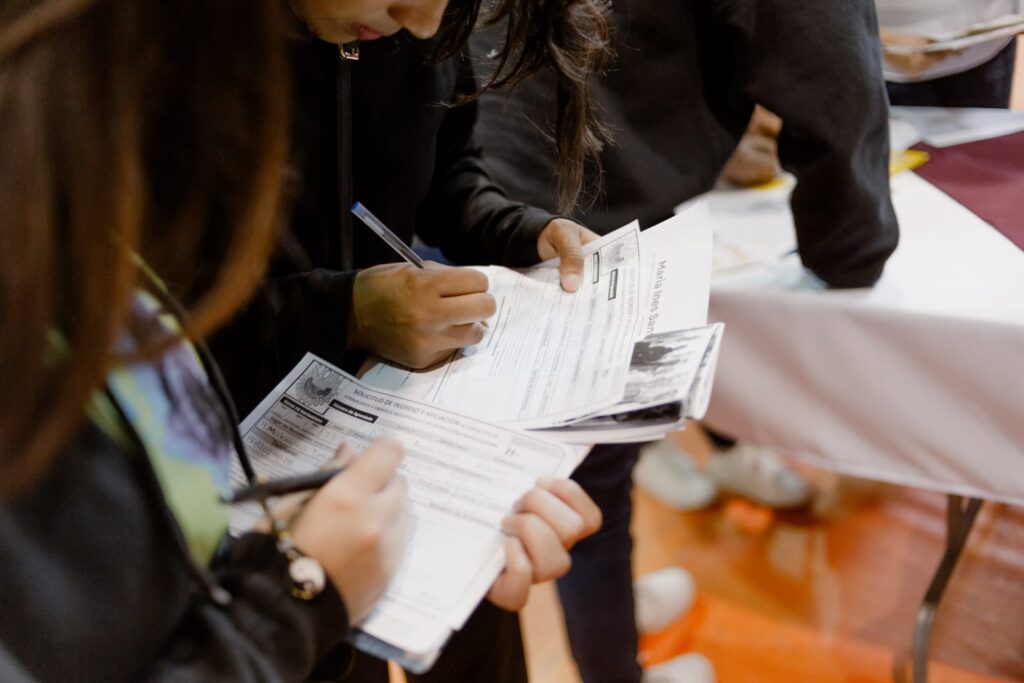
(11, 669)
(818, 66)
(97, 585)
(266, 634)
(466, 213)
(290, 315)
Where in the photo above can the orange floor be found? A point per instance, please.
(827, 595)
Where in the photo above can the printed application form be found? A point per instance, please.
(676, 271)
(464, 476)
(674, 358)
(548, 357)
(691, 373)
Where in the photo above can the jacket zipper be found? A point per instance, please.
(344, 117)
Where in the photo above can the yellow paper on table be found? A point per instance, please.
(777, 181)
(907, 160)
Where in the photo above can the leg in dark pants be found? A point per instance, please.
(719, 440)
(597, 593)
(488, 648)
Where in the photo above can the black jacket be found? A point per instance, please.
(382, 131)
(678, 99)
(97, 585)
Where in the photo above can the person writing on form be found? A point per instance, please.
(393, 131)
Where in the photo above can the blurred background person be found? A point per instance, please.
(390, 124)
(679, 98)
(977, 76)
(135, 131)
(166, 131)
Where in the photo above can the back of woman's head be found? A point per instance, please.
(142, 128)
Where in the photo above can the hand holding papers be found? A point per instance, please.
(552, 359)
(549, 356)
(563, 239)
(673, 360)
(603, 357)
(463, 477)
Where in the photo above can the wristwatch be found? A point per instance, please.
(306, 576)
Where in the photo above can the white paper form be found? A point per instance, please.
(948, 126)
(548, 356)
(464, 476)
(676, 271)
(673, 362)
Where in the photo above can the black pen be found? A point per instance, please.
(281, 487)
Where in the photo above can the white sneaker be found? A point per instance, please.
(760, 474)
(662, 598)
(670, 475)
(692, 667)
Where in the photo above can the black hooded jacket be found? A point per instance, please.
(383, 131)
(678, 98)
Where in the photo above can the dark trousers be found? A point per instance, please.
(719, 441)
(986, 85)
(597, 593)
(488, 649)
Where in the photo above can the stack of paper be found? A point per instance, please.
(948, 126)
(752, 226)
(669, 382)
(464, 476)
(940, 39)
(922, 41)
(617, 360)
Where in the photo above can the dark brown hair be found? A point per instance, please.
(572, 39)
(127, 129)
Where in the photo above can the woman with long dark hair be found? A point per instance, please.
(385, 117)
(131, 132)
(138, 138)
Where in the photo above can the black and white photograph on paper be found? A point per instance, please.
(663, 367)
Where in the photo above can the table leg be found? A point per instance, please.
(959, 521)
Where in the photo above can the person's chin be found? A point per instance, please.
(334, 31)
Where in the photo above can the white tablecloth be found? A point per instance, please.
(919, 381)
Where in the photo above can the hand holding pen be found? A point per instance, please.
(416, 316)
(263, 490)
(354, 525)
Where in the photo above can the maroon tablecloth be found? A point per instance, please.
(987, 177)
